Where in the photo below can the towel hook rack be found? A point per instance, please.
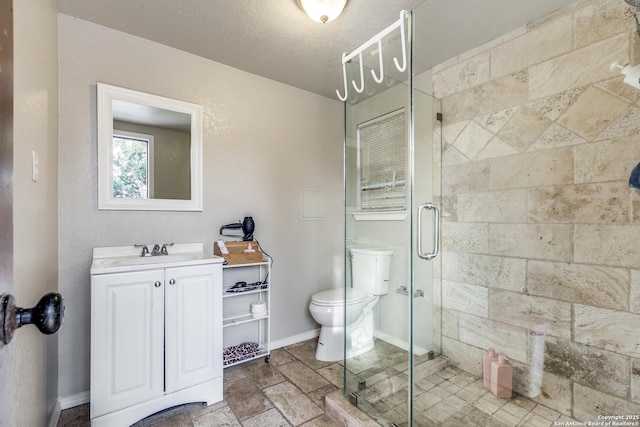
(358, 52)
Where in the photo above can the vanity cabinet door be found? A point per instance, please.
(127, 330)
(193, 319)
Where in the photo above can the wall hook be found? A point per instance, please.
(353, 82)
(403, 44)
(373, 73)
(344, 78)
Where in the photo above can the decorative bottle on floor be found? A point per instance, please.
(536, 348)
(501, 377)
(489, 357)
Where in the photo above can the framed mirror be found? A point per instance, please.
(149, 151)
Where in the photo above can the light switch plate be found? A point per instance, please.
(35, 167)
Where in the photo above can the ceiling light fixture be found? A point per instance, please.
(322, 11)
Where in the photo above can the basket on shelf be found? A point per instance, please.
(237, 254)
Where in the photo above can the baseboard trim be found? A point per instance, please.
(418, 351)
(67, 402)
(294, 339)
(73, 400)
(55, 414)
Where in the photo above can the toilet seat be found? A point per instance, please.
(335, 297)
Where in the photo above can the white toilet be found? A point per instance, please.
(370, 279)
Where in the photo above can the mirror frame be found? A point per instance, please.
(106, 94)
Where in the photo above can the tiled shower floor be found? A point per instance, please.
(451, 397)
(291, 390)
(444, 395)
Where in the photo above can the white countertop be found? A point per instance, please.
(120, 259)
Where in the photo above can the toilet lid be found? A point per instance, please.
(336, 297)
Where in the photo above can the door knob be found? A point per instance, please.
(47, 315)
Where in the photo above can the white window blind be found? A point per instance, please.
(382, 157)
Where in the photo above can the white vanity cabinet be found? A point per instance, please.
(127, 340)
(193, 305)
(156, 338)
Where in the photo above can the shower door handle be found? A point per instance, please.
(436, 231)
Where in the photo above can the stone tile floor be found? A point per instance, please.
(288, 391)
(291, 390)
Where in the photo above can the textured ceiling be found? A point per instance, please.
(276, 40)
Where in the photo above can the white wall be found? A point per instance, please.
(35, 204)
(263, 142)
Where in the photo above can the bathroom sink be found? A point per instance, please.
(138, 260)
(112, 261)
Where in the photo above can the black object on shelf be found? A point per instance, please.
(248, 227)
(245, 287)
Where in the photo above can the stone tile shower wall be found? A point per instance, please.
(539, 224)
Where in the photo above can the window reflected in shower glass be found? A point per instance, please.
(132, 169)
(382, 162)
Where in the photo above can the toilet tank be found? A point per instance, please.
(370, 270)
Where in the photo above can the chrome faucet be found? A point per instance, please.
(145, 249)
(157, 250)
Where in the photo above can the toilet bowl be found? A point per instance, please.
(346, 316)
(328, 309)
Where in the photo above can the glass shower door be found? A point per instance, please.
(426, 260)
(378, 217)
(426, 321)
(389, 172)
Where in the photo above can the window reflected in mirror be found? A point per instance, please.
(132, 174)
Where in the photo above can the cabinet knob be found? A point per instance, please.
(157, 284)
(172, 281)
